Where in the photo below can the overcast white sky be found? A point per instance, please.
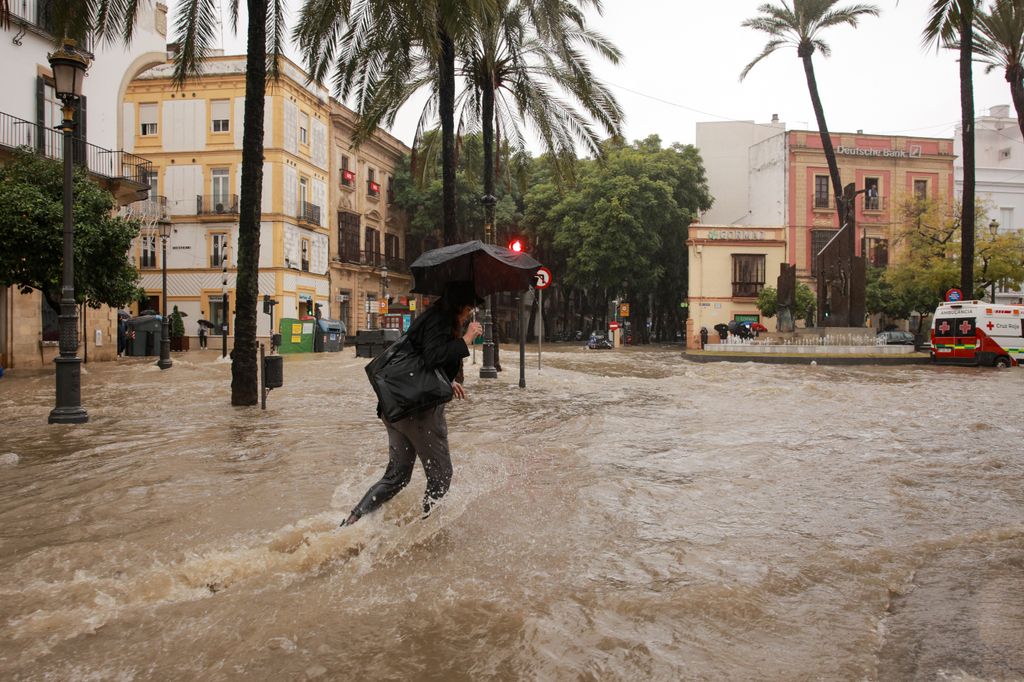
(682, 60)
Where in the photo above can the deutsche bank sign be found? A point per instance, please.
(912, 152)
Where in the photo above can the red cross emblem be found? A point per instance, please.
(965, 327)
(944, 327)
(990, 326)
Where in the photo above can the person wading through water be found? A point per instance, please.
(438, 336)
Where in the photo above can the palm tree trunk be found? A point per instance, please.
(1015, 76)
(967, 123)
(446, 106)
(826, 139)
(244, 381)
(487, 116)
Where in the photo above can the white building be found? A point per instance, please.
(999, 173)
(726, 148)
(29, 110)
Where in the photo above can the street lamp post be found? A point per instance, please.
(489, 370)
(69, 68)
(165, 331)
(383, 295)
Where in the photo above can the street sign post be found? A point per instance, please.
(543, 282)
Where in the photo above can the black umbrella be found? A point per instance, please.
(205, 323)
(490, 268)
(148, 311)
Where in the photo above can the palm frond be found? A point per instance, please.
(196, 27)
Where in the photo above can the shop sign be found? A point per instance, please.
(749, 235)
(912, 152)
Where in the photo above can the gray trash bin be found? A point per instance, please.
(371, 342)
(329, 337)
(143, 335)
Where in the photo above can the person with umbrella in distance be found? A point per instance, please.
(441, 335)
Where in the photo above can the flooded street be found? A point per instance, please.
(629, 515)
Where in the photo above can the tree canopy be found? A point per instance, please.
(31, 243)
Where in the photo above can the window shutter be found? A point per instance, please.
(40, 114)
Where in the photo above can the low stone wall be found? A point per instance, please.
(799, 349)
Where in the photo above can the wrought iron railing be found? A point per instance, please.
(217, 204)
(309, 212)
(396, 264)
(154, 207)
(875, 203)
(373, 258)
(104, 163)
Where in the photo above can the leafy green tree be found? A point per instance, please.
(950, 24)
(999, 42)
(31, 242)
(177, 325)
(767, 301)
(800, 26)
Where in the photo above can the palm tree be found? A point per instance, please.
(197, 29)
(950, 24)
(375, 47)
(999, 42)
(800, 26)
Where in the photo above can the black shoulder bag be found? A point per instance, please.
(403, 383)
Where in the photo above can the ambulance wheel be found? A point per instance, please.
(1002, 361)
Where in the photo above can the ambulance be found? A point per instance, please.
(978, 333)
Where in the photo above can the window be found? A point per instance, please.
(747, 275)
(303, 127)
(147, 256)
(348, 236)
(871, 198)
(304, 259)
(50, 322)
(373, 255)
(219, 184)
(920, 189)
(345, 314)
(391, 249)
(217, 316)
(372, 188)
(819, 238)
(348, 176)
(1006, 218)
(52, 114)
(147, 119)
(878, 252)
(218, 249)
(820, 191)
(221, 114)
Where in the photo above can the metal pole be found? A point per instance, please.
(489, 370)
(224, 303)
(68, 408)
(263, 380)
(540, 335)
(522, 343)
(165, 326)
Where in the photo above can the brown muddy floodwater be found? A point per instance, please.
(628, 516)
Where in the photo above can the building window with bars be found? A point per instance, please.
(348, 176)
(348, 236)
(304, 256)
(373, 254)
(819, 238)
(147, 119)
(218, 249)
(747, 275)
(820, 191)
(221, 115)
(372, 187)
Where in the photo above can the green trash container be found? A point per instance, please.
(297, 335)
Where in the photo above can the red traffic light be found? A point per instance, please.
(516, 245)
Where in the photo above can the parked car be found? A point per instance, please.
(598, 342)
(895, 338)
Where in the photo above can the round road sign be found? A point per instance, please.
(543, 278)
(954, 295)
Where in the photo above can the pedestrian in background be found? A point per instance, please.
(438, 335)
(202, 332)
(703, 337)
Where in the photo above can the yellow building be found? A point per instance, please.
(194, 139)
(729, 266)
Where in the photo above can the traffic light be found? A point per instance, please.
(516, 245)
(268, 304)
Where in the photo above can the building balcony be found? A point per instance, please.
(151, 209)
(373, 258)
(37, 16)
(309, 213)
(125, 175)
(875, 203)
(217, 204)
(396, 264)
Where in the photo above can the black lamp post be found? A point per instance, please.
(165, 328)
(69, 67)
(489, 370)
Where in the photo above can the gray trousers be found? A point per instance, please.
(423, 435)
